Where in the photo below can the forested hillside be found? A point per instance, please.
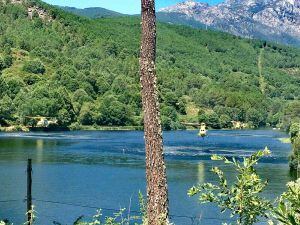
(84, 71)
(92, 12)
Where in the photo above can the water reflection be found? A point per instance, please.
(39, 149)
(201, 173)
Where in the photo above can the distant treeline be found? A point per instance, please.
(86, 72)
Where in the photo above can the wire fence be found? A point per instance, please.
(137, 217)
(188, 219)
(5, 201)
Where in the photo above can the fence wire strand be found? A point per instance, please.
(194, 219)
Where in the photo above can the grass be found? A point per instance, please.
(285, 140)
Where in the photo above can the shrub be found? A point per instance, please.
(75, 126)
(64, 118)
(210, 118)
(295, 138)
(113, 112)
(295, 157)
(242, 198)
(288, 209)
(117, 219)
(87, 115)
(5, 222)
(34, 66)
(294, 130)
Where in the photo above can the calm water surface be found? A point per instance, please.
(76, 172)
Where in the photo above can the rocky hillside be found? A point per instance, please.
(275, 20)
(33, 9)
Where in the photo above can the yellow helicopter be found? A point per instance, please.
(203, 130)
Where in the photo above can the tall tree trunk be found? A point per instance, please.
(157, 190)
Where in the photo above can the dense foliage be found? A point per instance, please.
(86, 72)
(295, 139)
(242, 198)
(288, 210)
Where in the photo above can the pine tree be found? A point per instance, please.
(157, 190)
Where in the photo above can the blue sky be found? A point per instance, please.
(123, 6)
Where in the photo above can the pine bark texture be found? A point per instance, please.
(157, 190)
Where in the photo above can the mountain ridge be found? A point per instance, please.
(255, 19)
(275, 20)
(93, 12)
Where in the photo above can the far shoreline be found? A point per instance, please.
(19, 128)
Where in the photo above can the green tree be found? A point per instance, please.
(81, 96)
(86, 115)
(64, 118)
(225, 121)
(34, 66)
(166, 123)
(255, 117)
(102, 85)
(2, 65)
(6, 108)
(3, 87)
(210, 118)
(7, 61)
(112, 112)
(213, 121)
(170, 99)
(295, 139)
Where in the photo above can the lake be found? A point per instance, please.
(76, 172)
